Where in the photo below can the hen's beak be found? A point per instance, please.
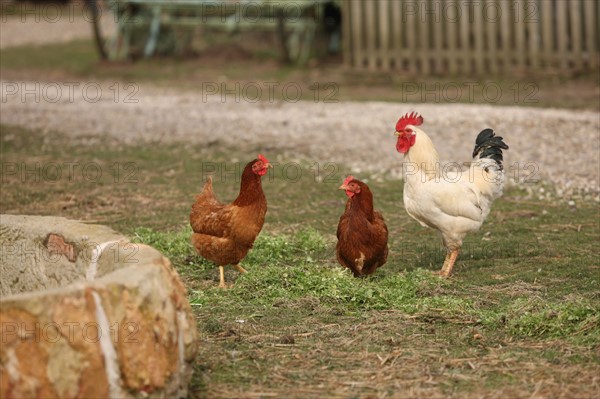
(397, 134)
(268, 166)
(343, 187)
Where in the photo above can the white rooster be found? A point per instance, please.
(454, 205)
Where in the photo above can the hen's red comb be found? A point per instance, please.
(348, 180)
(409, 119)
(262, 158)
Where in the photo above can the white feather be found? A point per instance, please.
(455, 206)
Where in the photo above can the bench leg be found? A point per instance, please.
(153, 33)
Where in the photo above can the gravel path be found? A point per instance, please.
(42, 29)
(560, 146)
(48, 23)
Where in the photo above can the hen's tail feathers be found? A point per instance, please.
(488, 145)
(208, 184)
(207, 191)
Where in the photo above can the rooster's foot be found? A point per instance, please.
(441, 273)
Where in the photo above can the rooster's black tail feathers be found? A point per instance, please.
(488, 145)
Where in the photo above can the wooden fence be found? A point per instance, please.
(471, 36)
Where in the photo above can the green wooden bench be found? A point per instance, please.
(294, 22)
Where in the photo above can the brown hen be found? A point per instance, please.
(362, 233)
(224, 234)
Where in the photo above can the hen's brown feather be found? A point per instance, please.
(362, 235)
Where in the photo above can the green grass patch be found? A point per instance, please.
(290, 267)
(78, 58)
(535, 317)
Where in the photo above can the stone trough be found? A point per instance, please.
(85, 313)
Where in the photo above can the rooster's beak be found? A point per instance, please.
(343, 187)
(397, 134)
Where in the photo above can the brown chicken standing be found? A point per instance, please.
(362, 233)
(223, 233)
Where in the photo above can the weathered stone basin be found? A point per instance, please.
(85, 313)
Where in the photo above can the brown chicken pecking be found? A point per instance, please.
(362, 233)
(224, 234)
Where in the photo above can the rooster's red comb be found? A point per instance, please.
(409, 119)
(348, 180)
(262, 158)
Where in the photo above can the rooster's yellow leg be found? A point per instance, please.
(444, 266)
(222, 273)
(449, 263)
(240, 269)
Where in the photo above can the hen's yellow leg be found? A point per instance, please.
(222, 273)
(240, 269)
